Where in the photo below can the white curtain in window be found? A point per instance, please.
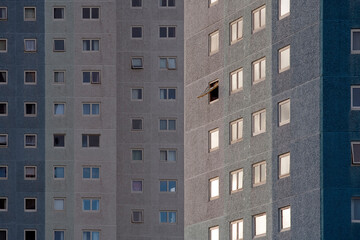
(260, 225)
(214, 187)
(285, 164)
(171, 63)
(214, 233)
(172, 217)
(285, 58)
(263, 121)
(240, 79)
(286, 218)
(59, 77)
(58, 204)
(234, 182)
(162, 62)
(234, 82)
(214, 41)
(163, 93)
(214, 139)
(171, 156)
(233, 32)
(256, 18)
(86, 45)
(30, 45)
(59, 109)
(263, 17)
(95, 45)
(284, 7)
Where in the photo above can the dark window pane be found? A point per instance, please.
(163, 186)
(172, 125)
(136, 124)
(136, 3)
(356, 97)
(95, 77)
(163, 3)
(94, 140)
(30, 109)
(356, 40)
(30, 77)
(59, 140)
(171, 3)
(2, 77)
(137, 155)
(172, 186)
(30, 204)
(95, 13)
(3, 235)
(2, 204)
(136, 32)
(3, 172)
(356, 153)
(30, 235)
(59, 45)
(86, 172)
(86, 13)
(163, 32)
(171, 32)
(58, 13)
(86, 77)
(95, 173)
(172, 94)
(356, 207)
(84, 141)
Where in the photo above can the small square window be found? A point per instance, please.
(284, 112)
(59, 172)
(59, 204)
(59, 140)
(59, 109)
(259, 122)
(355, 41)
(237, 230)
(30, 77)
(91, 172)
(259, 70)
(355, 97)
(137, 154)
(3, 45)
(59, 235)
(3, 172)
(236, 180)
(29, 14)
(259, 222)
(259, 173)
(30, 109)
(91, 45)
(30, 45)
(91, 204)
(136, 32)
(137, 216)
(136, 186)
(168, 93)
(167, 3)
(214, 139)
(284, 165)
(90, 140)
(168, 63)
(214, 188)
(90, 13)
(284, 59)
(3, 204)
(3, 140)
(30, 140)
(167, 124)
(59, 77)
(30, 204)
(136, 3)
(136, 94)
(137, 63)
(91, 235)
(91, 77)
(236, 80)
(3, 108)
(59, 13)
(284, 8)
(214, 233)
(213, 42)
(168, 155)
(168, 217)
(259, 19)
(285, 218)
(136, 124)
(59, 45)
(3, 74)
(3, 234)
(3, 16)
(91, 109)
(236, 30)
(236, 128)
(30, 172)
(167, 31)
(30, 234)
(168, 186)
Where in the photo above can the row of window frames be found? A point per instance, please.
(170, 217)
(162, 3)
(259, 225)
(31, 234)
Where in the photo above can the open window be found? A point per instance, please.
(212, 90)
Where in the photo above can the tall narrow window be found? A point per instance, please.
(284, 112)
(259, 122)
(259, 70)
(3, 172)
(3, 205)
(3, 234)
(213, 42)
(284, 59)
(355, 41)
(355, 152)
(259, 222)
(3, 74)
(214, 233)
(355, 97)
(284, 8)
(236, 128)
(3, 13)
(284, 165)
(259, 19)
(236, 30)
(237, 231)
(236, 80)
(259, 173)
(3, 45)
(213, 91)
(3, 140)
(355, 209)
(214, 188)
(285, 218)
(236, 178)
(3, 108)
(214, 139)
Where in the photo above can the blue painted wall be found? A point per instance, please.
(340, 125)
(15, 61)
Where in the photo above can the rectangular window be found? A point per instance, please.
(236, 30)
(91, 140)
(259, 70)
(30, 109)
(259, 122)
(91, 109)
(355, 153)
(259, 19)
(168, 186)
(59, 140)
(167, 124)
(168, 217)
(91, 77)
(3, 74)
(30, 234)
(3, 13)
(59, 77)
(355, 41)
(29, 14)
(284, 8)
(137, 186)
(3, 172)
(168, 93)
(3, 45)
(214, 188)
(90, 13)
(355, 97)
(167, 31)
(236, 178)
(3, 140)
(285, 218)
(213, 42)
(168, 155)
(3, 108)
(91, 204)
(136, 3)
(59, 13)
(137, 216)
(59, 109)
(91, 235)
(237, 230)
(30, 77)
(59, 204)
(284, 59)
(91, 45)
(30, 45)
(259, 222)
(284, 165)
(30, 172)
(355, 209)
(213, 91)
(214, 233)
(91, 172)
(137, 154)
(59, 235)
(59, 172)
(284, 112)
(137, 124)
(236, 128)
(259, 173)
(3, 204)
(30, 204)
(137, 63)
(214, 139)
(136, 32)
(167, 3)
(168, 63)
(59, 45)
(136, 94)
(3, 234)
(30, 140)
(236, 80)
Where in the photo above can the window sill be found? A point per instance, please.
(283, 123)
(284, 176)
(257, 133)
(284, 16)
(258, 30)
(259, 184)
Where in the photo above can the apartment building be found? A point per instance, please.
(271, 119)
(91, 120)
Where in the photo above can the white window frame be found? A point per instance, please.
(282, 16)
(239, 24)
(167, 154)
(259, 62)
(238, 77)
(91, 232)
(131, 32)
(281, 213)
(30, 210)
(132, 124)
(237, 177)
(30, 39)
(142, 185)
(352, 210)
(59, 134)
(281, 158)
(30, 115)
(167, 63)
(167, 216)
(261, 24)
(91, 114)
(137, 149)
(59, 178)
(91, 77)
(91, 173)
(7, 140)
(58, 71)
(167, 4)
(30, 178)
(254, 225)
(25, 143)
(59, 230)
(262, 130)
(91, 17)
(167, 93)
(30, 230)
(212, 37)
(280, 104)
(88, 140)
(352, 41)
(6, 76)
(58, 19)
(352, 97)
(167, 185)
(59, 103)
(6, 109)
(133, 66)
(6, 204)
(59, 39)
(261, 181)
(6, 15)
(142, 215)
(239, 230)
(167, 124)
(30, 71)
(30, 19)
(91, 204)
(142, 94)
(6, 233)
(91, 44)
(280, 52)
(7, 172)
(238, 123)
(6, 47)
(167, 32)
(214, 228)
(59, 198)
(212, 195)
(214, 147)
